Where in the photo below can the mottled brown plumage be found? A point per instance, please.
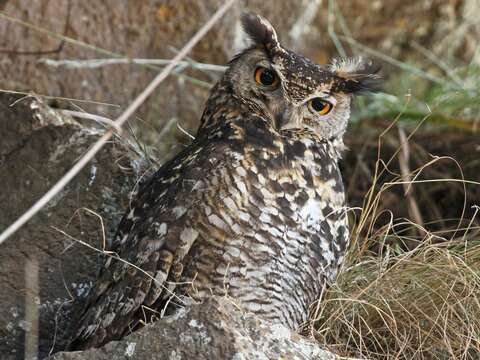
(253, 208)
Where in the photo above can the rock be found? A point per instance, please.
(214, 329)
(38, 145)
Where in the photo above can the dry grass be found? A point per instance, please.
(405, 292)
(419, 304)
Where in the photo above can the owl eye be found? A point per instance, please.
(266, 77)
(320, 106)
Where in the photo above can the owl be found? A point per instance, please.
(253, 208)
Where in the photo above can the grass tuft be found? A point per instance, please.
(423, 303)
(406, 291)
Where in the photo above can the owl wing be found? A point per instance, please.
(151, 241)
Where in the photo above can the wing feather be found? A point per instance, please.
(153, 238)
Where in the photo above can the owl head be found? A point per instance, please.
(291, 90)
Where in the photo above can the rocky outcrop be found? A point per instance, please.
(38, 145)
(214, 329)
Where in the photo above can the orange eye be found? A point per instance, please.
(320, 106)
(266, 77)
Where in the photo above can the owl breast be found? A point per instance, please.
(274, 234)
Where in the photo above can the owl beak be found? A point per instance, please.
(286, 119)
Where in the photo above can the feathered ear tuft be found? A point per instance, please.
(357, 75)
(260, 31)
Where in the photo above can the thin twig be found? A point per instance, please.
(31, 308)
(88, 116)
(179, 127)
(403, 159)
(139, 100)
(96, 63)
(32, 94)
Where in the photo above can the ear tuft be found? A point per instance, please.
(260, 31)
(357, 75)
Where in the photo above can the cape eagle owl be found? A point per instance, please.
(253, 208)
